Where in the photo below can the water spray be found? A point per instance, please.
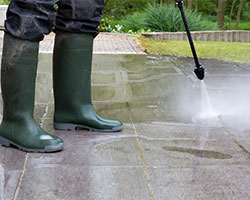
(199, 69)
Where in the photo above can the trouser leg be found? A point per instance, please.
(79, 16)
(30, 19)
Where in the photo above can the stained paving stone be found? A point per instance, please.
(227, 182)
(84, 183)
(11, 158)
(12, 161)
(190, 149)
(92, 149)
(1, 182)
(11, 183)
(166, 150)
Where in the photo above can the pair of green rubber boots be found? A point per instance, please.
(72, 91)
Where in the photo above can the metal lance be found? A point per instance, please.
(199, 69)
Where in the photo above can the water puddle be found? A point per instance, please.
(198, 152)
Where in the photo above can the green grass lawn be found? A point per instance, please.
(227, 51)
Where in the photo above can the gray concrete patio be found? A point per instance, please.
(166, 151)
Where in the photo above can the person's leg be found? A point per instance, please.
(79, 16)
(25, 25)
(76, 26)
(30, 19)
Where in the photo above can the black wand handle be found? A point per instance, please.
(198, 69)
(181, 7)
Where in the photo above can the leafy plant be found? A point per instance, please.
(105, 25)
(162, 17)
(134, 22)
(108, 25)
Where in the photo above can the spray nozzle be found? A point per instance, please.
(199, 72)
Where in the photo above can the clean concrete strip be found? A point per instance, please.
(1, 182)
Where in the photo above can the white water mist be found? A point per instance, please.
(207, 110)
(207, 116)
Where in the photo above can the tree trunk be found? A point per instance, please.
(231, 14)
(239, 14)
(190, 4)
(221, 13)
(196, 5)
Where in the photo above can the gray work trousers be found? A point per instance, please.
(32, 19)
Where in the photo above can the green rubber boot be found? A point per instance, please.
(18, 75)
(72, 85)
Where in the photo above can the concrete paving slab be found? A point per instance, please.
(189, 149)
(12, 162)
(12, 179)
(241, 137)
(107, 183)
(11, 159)
(92, 149)
(1, 182)
(228, 182)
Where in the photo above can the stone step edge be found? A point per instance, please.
(217, 36)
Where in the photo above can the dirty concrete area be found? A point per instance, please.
(167, 149)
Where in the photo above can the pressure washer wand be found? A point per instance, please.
(198, 69)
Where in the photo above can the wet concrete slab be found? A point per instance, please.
(84, 183)
(180, 149)
(227, 182)
(92, 149)
(168, 148)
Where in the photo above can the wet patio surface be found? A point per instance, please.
(166, 150)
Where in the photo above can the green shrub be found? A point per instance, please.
(244, 26)
(165, 18)
(105, 25)
(212, 18)
(134, 22)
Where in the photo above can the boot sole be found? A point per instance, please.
(72, 127)
(47, 149)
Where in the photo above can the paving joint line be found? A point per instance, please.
(142, 158)
(46, 110)
(137, 140)
(234, 140)
(21, 177)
